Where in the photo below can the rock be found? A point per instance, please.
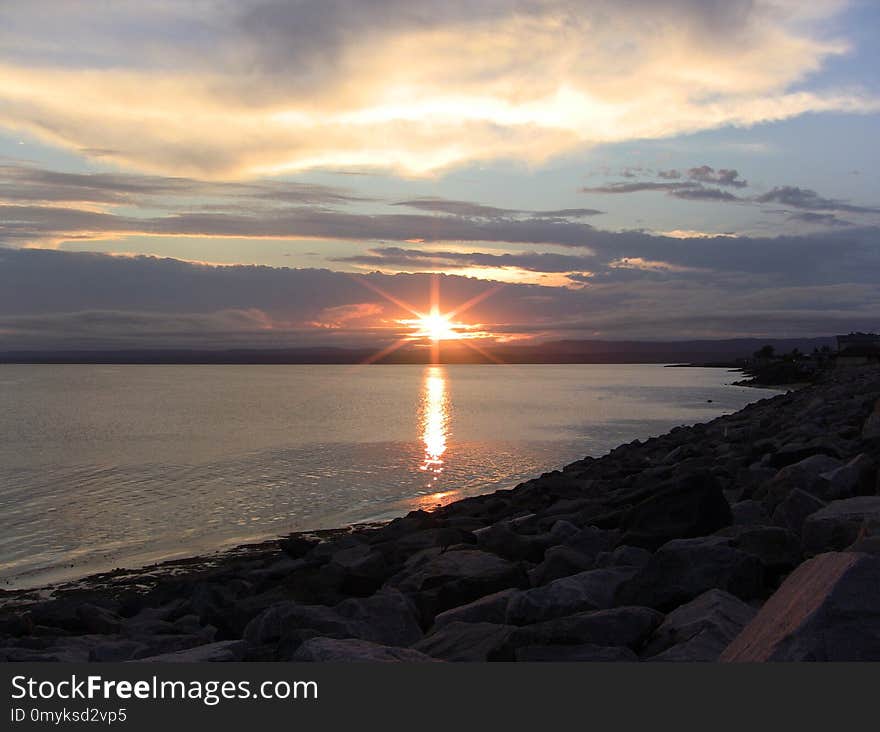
(620, 626)
(457, 641)
(441, 537)
(868, 540)
(793, 453)
(701, 629)
(296, 545)
(624, 556)
(501, 539)
(838, 524)
(692, 506)
(591, 540)
(354, 651)
(229, 650)
(871, 428)
(856, 478)
(778, 549)
(584, 653)
(591, 590)
(828, 609)
(453, 578)
(683, 569)
(412, 522)
(805, 475)
(793, 511)
(563, 530)
(117, 650)
(749, 513)
(559, 561)
(16, 624)
(489, 609)
(361, 568)
(387, 618)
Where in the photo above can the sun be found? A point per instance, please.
(437, 327)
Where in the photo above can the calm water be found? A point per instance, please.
(107, 466)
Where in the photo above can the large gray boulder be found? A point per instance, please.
(591, 590)
(351, 650)
(683, 569)
(837, 525)
(828, 609)
(699, 630)
(471, 642)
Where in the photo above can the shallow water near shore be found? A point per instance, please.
(109, 466)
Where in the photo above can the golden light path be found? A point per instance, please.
(434, 420)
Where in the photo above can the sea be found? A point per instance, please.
(105, 466)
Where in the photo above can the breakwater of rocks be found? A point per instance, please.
(753, 537)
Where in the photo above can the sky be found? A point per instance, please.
(210, 173)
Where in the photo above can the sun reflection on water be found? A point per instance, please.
(434, 420)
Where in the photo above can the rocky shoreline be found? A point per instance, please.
(753, 537)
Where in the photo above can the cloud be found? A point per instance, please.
(54, 299)
(222, 90)
(689, 186)
(420, 260)
(805, 198)
(685, 190)
(825, 219)
(722, 177)
(704, 194)
(639, 187)
(21, 182)
(478, 210)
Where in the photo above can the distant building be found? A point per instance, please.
(858, 349)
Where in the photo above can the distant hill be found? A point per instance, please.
(568, 351)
